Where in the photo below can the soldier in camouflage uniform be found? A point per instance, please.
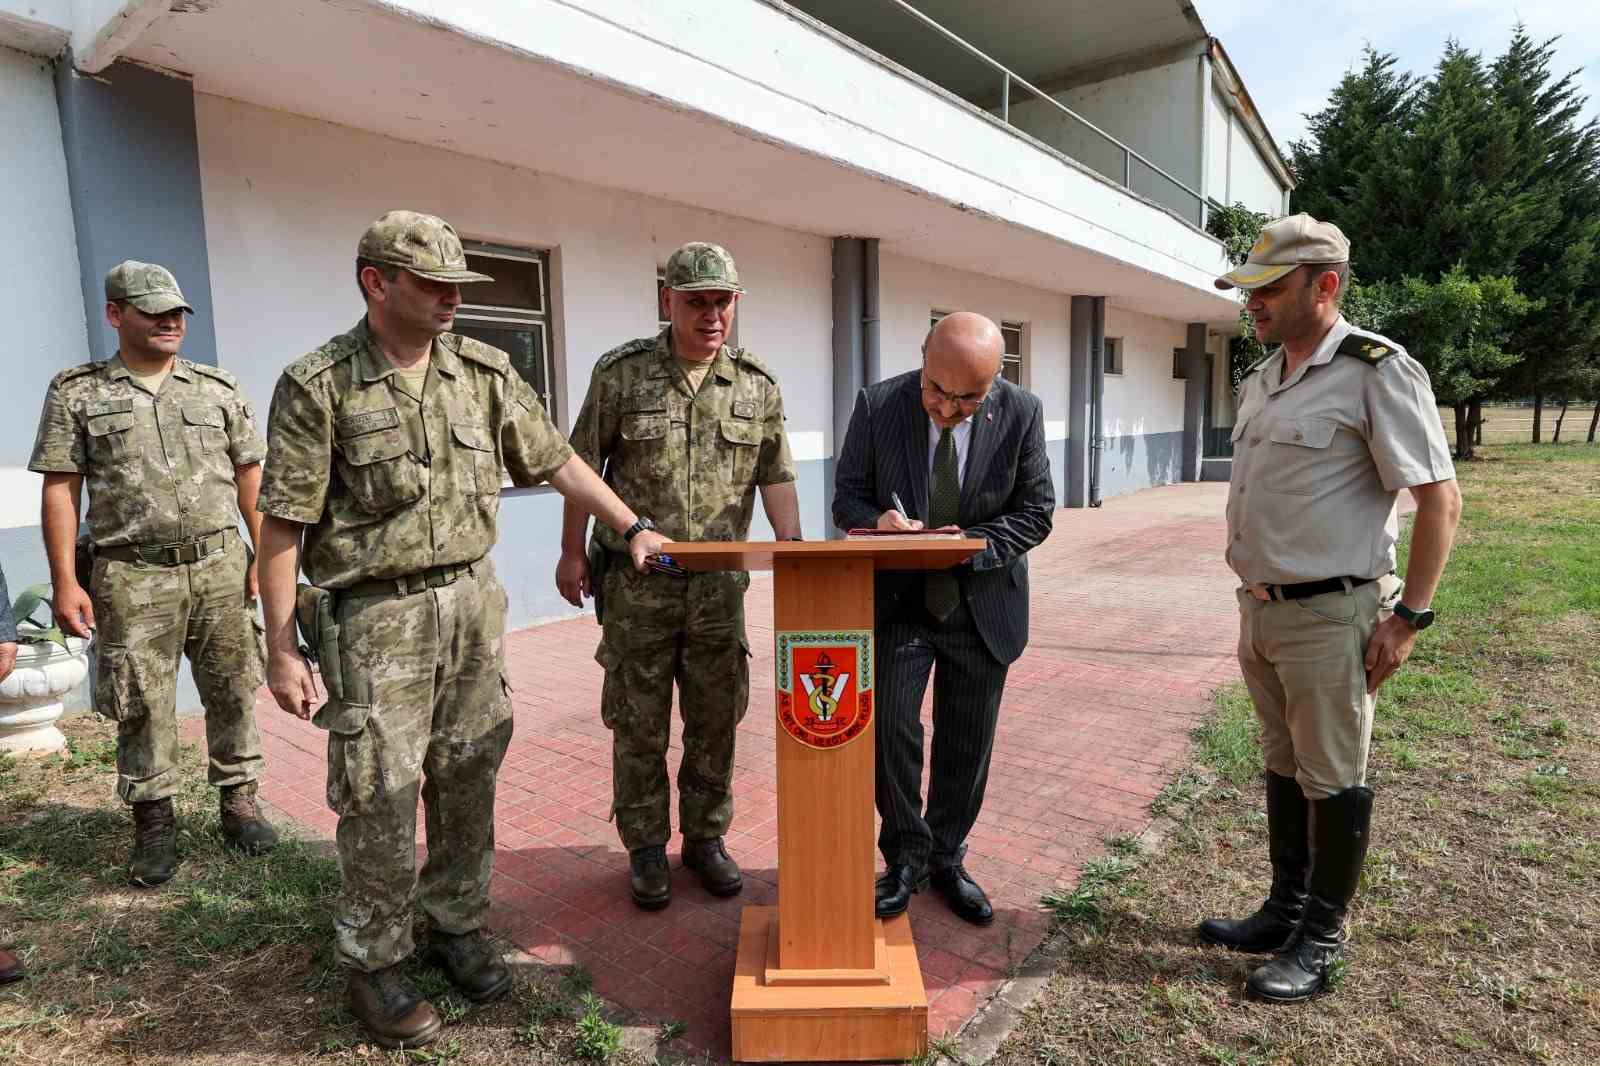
(387, 445)
(685, 429)
(171, 455)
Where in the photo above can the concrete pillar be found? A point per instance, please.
(1078, 401)
(133, 171)
(1198, 380)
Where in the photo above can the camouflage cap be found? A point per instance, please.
(1284, 245)
(698, 267)
(426, 245)
(150, 288)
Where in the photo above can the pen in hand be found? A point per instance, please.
(899, 505)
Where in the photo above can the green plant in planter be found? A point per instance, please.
(31, 630)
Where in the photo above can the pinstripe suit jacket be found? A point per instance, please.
(1006, 496)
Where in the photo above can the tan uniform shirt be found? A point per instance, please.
(159, 468)
(689, 460)
(1319, 459)
(387, 486)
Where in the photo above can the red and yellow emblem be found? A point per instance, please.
(825, 686)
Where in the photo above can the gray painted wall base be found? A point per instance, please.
(1138, 461)
(1216, 470)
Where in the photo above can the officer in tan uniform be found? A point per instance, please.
(386, 449)
(171, 455)
(685, 428)
(1331, 426)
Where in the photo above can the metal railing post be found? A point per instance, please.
(1005, 99)
(1127, 168)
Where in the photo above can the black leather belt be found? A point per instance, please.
(1304, 589)
(432, 578)
(168, 554)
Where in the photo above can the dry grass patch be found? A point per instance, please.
(1477, 928)
(230, 962)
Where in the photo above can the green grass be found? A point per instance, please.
(1473, 930)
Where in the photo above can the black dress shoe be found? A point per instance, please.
(892, 892)
(958, 889)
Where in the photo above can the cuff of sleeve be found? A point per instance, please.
(787, 478)
(288, 511)
(46, 467)
(1408, 476)
(250, 457)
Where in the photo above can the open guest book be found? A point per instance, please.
(920, 534)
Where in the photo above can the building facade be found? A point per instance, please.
(870, 164)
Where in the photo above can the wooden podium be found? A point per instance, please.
(819, 977)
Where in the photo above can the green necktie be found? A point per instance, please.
(942, 593)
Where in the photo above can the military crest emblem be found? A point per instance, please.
(824, 683)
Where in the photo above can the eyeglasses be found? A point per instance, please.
(968, 401)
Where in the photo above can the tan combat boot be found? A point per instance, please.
(384, 1002)
(155, 843)
(242, 824)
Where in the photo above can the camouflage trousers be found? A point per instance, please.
(146, 617)
(659, 630)
(425, 712)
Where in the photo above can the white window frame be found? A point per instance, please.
(1020, 358)
(1113, 355)
(537, 320)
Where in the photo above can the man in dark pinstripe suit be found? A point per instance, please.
(963, 448)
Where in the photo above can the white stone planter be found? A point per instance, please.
(31, 695)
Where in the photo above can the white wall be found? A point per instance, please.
(1145, 398)
(1250, 181)
(286, 198)
(46, 332)
(910, 289)
(1218, 118)
(1157, 112)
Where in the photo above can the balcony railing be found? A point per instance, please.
(1044, 118)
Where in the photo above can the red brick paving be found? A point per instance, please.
(1133, 624)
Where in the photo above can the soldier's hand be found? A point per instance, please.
(252, 587)
(892, 519)
(74, 610)
(292, 683)
(572, 578)
(1390, 646)
(8, 659)
(644, 544)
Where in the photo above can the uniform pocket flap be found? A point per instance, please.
(353, 425)
(346, 719)
(476, 437)
(644, 427)
(736, 432)
(1305, 432)
(1238, 431)
(607, 656)
(107, 407)
(373, 447)
(203, 416)
(100, 425)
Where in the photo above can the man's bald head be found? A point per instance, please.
(961, 357)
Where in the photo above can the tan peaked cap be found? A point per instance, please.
(1285, 244)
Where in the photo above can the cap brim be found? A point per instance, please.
(1254, 275)
(458, 277)
(159, 303)
(707, 286)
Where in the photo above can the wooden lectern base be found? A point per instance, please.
(807, 1016)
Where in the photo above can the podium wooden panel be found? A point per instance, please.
(818, 977)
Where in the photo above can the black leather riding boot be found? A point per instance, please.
(1342, 826)
(1274, 924)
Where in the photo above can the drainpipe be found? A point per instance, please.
(871, 356)
(1097, 394)
(848, 356)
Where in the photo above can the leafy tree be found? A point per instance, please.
(1238, 227)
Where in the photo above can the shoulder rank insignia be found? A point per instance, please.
(1369, 350)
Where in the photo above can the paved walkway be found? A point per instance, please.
(1133, 624)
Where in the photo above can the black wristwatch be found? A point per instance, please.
(638, 527)
(1418, 620)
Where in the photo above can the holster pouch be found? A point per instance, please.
(314, 611)
(599, 558)
(83, 561)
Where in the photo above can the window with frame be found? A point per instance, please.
(512, 312)
(1113, 355)
(1180, 368)
(1011, 363)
